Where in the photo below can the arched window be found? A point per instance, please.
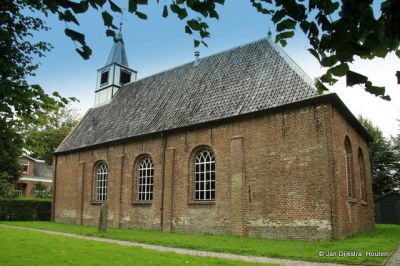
(101, 182)
(349, 168)
(145, 184)
(361, 164)
(204, 176)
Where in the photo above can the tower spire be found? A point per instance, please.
(115, 73)
(117, 53)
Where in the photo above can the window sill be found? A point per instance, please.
(351, 200)
(98, 202)
(363, 202)
(203, 202)
(142, 203)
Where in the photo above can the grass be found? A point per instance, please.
(384, 238)
(20, 247)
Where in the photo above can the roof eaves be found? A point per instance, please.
(349, 116)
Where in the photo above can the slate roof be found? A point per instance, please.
(242, 80)
(118, 54)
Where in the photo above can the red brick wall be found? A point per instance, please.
(353, 215)
(275, 174)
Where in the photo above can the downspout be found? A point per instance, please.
(164, 141)
(53, 196)
(121, 186)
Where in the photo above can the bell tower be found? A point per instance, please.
(114, 74)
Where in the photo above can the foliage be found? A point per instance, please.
(383, 238)
(39, 190)
(21, 103)
(25, 210)
(41, 139)
(385, 159)
(337, 31)
(395, 141)
(10, 148)
(22, 247)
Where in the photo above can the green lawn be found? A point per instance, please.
(384, 238)
(20, 247)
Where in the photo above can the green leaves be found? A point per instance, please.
(75, 36)
(85, 51)
(354, 78)
(110, 33)
(115, 7)
(320, 87)
(165, 12)
(282, 36)
(181, 12)
(287, 24)
(68, 17)
(141, 15)
(340, 70)
(132, 6)
(108, 20)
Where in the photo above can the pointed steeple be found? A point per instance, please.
(118, 54)
(114, 74)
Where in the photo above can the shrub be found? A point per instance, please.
(25, 210)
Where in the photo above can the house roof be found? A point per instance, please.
(118, 54)
(33, 159)
(395, 193)
(246, 79)
(43, 179)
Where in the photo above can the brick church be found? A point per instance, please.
(237, 143)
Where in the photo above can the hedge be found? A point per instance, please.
(25, 210)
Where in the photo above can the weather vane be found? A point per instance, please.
(122, 19)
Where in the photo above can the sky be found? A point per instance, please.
(158, 44)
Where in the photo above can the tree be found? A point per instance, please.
(338, 31)
(41, 140)
(39, 190)
(385, 160)
(396, 168)
(21, 103)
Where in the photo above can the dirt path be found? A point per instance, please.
(394, 260)
(256, 259)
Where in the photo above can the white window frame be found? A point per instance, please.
(27, 168)
(101, 182)
(204, 176)
(145, 180)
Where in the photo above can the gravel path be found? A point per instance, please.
(257, 259)
(394, 260)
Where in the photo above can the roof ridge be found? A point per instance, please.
(201, 58)
(296, 68)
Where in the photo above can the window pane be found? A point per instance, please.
(204, 175)
(145, 187)
(104, 77)
(125, 77)
(101, 182)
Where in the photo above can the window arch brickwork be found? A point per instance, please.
(101, 182)
(145, 179)
(204, 181)
(349, 172)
